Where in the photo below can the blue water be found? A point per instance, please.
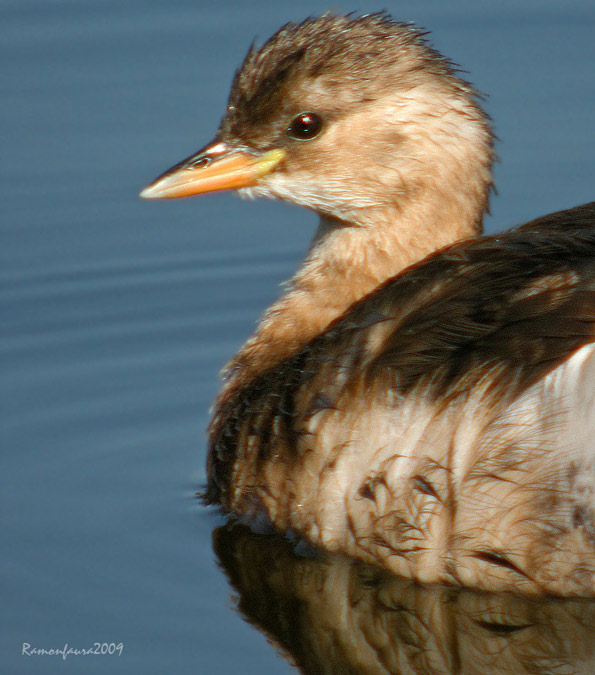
(118, 314)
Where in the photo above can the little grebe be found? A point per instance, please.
(420, 397)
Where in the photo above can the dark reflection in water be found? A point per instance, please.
(331, 614)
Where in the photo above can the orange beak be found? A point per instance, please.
(215, 167)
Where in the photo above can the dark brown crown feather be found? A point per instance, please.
(359, 57)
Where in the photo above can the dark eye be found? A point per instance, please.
(305, 126)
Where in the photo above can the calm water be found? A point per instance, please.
(118, 314)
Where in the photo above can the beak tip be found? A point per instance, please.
(148, 193)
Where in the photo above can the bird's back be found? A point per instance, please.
(442, 427)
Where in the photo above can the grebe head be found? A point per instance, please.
(354, 117)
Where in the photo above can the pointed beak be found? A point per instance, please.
(215, 167)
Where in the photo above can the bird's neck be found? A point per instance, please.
(346, 262)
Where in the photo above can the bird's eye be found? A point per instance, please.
(305, 126)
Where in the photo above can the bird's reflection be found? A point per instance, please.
(330, 614)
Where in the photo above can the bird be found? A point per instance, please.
(421, 396)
